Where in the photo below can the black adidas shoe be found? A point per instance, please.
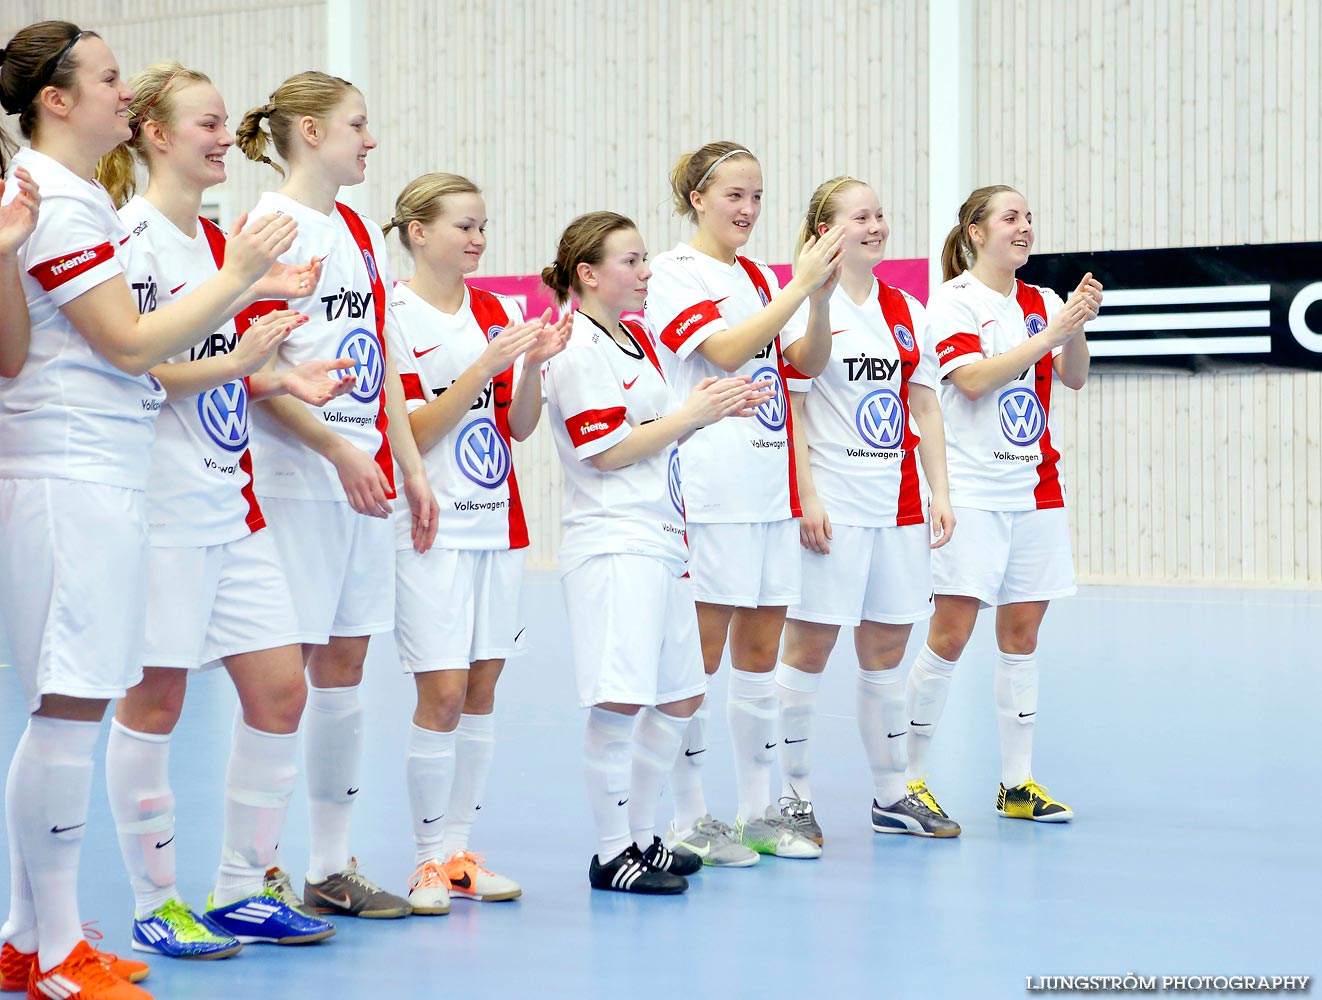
(675, 862)
(631, 872)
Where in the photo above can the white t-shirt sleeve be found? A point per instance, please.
(953, 328)
(680, 307)
(401, 352)
(70, 251)
(591, 401)
(926, 373)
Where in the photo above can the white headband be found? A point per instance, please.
(716, 163)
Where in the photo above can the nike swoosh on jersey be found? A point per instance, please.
(417, 353)
(175, 289)
(630, 383)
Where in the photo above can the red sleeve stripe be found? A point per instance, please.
(957, 345)
(54, 273)
(412, 385)
(691, 320)
(590, 425)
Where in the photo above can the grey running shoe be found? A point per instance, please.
(713, 843)
(774, 834)
(351, 894)
(800, 815)
(917, 813)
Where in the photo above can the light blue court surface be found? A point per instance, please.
(1182, 727)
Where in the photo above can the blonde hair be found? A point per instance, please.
(958, 253)
(155, 91)
(420, 201)
(38, 56)
(822, 206)
(693, 172)
(311, 94)
(582, 242)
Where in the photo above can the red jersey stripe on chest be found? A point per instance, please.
(895, 311)
(1048, 491)
(644, 341)
(491, 320)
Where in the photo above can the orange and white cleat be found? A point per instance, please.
(470, 880)
(16, 966)
(429, 890)
(84, 976)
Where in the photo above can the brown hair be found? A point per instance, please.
(582, 242)
(312, 94)
(822, 206)
(420, 201)
(154, 92)
(693, 172)
(37, 57)
(958, 252)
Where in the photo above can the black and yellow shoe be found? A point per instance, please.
(1031, 801)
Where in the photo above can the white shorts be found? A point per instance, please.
(340, 566)
(454, 606)
(745, 565)
(73, 586)
(634, 631)
(871, 574)
(209, 602)
(1007, 556)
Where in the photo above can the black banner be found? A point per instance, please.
(1199, 307)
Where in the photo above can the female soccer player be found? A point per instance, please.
(217, 590)
(624, 556)
(78, 422)
(720, 313)
(326, 477)
(866, 542)
(1001, 343)
(470, 368)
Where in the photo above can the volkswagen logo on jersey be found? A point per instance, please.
(371, 266)
(1035, 323)
(880, 419)
(482, 454)
(224, 415)
(676, 485)
(1022, 418)
(904, 335)
(771, 414)
(370, 369)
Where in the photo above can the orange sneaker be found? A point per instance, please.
(83, 975)
(469, 880)
(16, 966)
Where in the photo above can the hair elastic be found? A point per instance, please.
(716, 163)
(143, 116)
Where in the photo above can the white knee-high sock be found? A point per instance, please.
(52, 777)
(333, 743)
(430, 772)
(883, 723)
(656, 741)
(928, 686)
(606, 757)
(138, 784)
(686, 778)
(1016, 711)
(752, 713)
(20, 927)
(258, 784)
(796, 690)
(475, 745)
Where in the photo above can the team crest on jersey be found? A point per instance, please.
(762, 294)
(771, 414)
(224, 415)
(371, 265)
(1035, 323)
(676, 484)
(494, 332)
(904, 336)
(482, 454)
(1023, 420)
(880, 419)
(369, 364)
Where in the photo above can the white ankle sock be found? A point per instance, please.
(606, 757)
(138, 785)
(656, 741)
(926, 691)
(686, 778)
(796, 690)
(1016, 711)
(884, 725)
(752, 713)
(475, 745)
(333, 742)
(430, 771)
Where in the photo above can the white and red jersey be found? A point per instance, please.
(347, 316)
(598, 390)
(200, 492)
(70, 413)
(861, 435)
(738, 471)
(1000, 449)
(471, 469)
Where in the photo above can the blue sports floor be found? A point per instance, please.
(1181, 726)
